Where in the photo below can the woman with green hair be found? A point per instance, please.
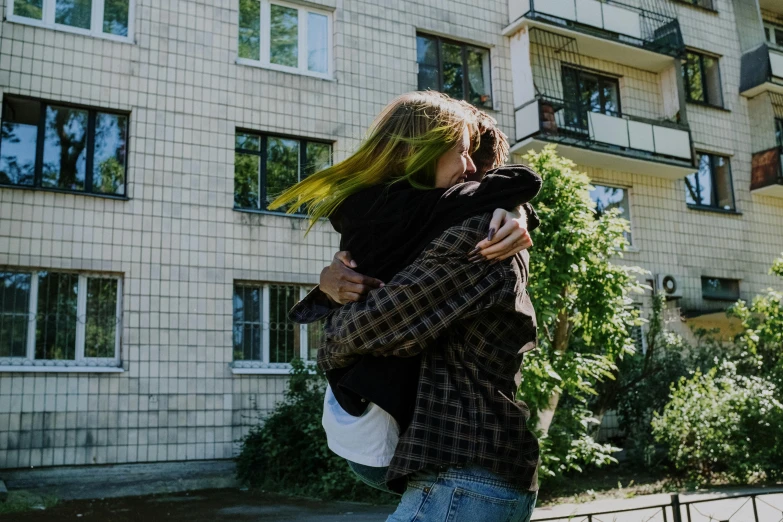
(401, 189)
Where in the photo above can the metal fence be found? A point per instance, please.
(764, 506)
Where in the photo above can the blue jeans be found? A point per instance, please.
(462, 494)
(373, 477)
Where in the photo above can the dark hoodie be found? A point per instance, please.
(385, 228)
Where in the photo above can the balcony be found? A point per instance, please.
(647, 32)
(559, 101)
(766, 176)
(761, 70)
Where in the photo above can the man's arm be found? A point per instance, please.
(421, 302)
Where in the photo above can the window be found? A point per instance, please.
(773, 34)
(607, 198)
(702, 79)
(63, 147)
(264, 337)
(637, 333)
(462, 71)
(586, 92)
(711, 186)
(779, 132)
(720, 289)
(265, 166)
(104, 18)
(285, 37)
(54, 318)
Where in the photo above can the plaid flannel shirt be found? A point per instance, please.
(473, 322)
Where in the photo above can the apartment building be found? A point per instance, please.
(673, 109)
(144, 283)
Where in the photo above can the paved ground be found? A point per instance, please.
(204, 506)
(236, 505)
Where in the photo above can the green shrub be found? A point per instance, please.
(721, 423)
(288, 452)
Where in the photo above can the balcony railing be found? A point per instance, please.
(651, 25)
(761, 69)
(554, 105)
(569, 123)
(766, 173)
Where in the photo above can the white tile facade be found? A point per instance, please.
(179, 245)
(177, 242)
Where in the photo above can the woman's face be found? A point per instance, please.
(455, 166)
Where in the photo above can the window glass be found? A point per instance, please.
(283, 333)
(607, 198)
(115, 17)
(18, 141)
(478, 77)
(250, 29)
(246, 173)
(317, 42)
(65, 148)
(284, 36)
(453, 72)
(319, 157)
(711, 186)
(29, 8)
(247, 323)
(55, 336)
(712, 77)
(75, 13)
(694, 82)
(282, 166)
(101, 321)
(462, 71)
(721, 289)
(427, 58)
(14, 313)
(111, 137)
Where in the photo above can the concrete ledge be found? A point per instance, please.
(122, 480)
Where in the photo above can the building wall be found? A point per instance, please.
(176, 242)
(670, 238)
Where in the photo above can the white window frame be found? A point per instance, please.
(772, 27)
(262, 366)
(96, 22)
(632, 243)
(265, 41)
(79, 363)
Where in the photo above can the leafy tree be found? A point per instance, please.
(762, 334)
(723, 423)
(726, 421)
(29, 9)
(583, 300)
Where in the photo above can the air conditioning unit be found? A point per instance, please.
(669, 286)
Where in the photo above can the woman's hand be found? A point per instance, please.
(507, 237)
(342, 284)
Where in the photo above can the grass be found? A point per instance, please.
(617, 481)
(19, 501)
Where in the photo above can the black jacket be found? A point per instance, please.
(385, 228)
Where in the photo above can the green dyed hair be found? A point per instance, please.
(404, 143)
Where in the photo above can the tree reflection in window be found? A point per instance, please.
(65, 160)
(265, 166)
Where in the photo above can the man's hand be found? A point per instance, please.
(507, 237)
(342, 284)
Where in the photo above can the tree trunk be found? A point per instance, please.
(560, 345)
